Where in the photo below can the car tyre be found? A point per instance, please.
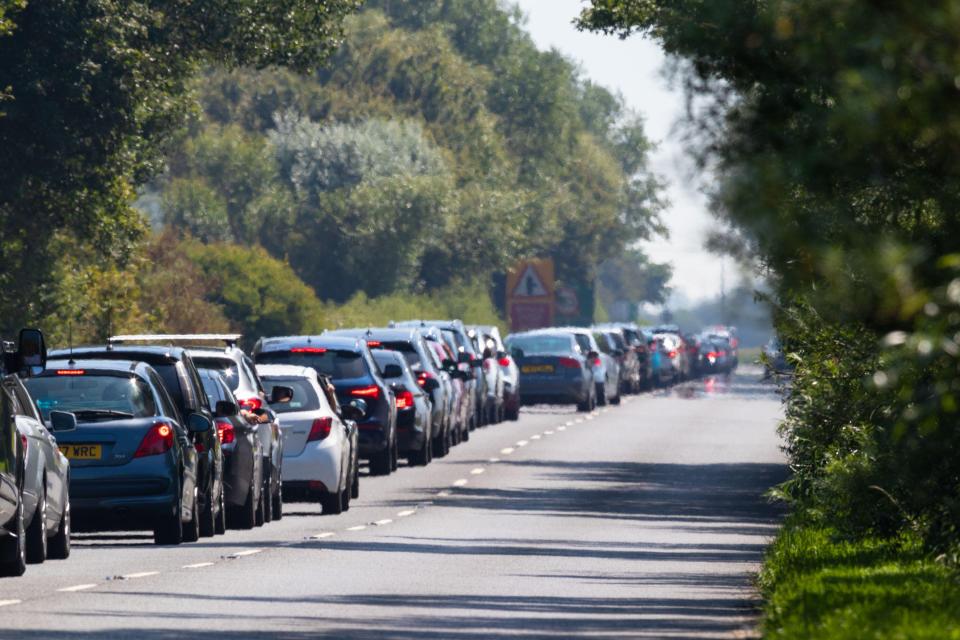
(331, 503)
(191, 529)
(276, 503)
(208, 519)
(355, 482)
(394, 456)
(220, 525)
(381, 463)
(260, 512)
(246, 516)
(58, 547)
(170, 530)
(601, 395)
(268, 497)
(13, 550)
(421, 458)
(37, 533)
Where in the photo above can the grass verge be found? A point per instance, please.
(817, 585)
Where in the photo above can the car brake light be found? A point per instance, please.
(373, 391)
(70, 372)
(225, 431)
(404, 400)
(374, 344)
(159, 439)
(24, 442)
(320, 429)
(251, 404)
(672, 354)
(712, 354)
(423, 376)
(308, 350)
(569, 363)
(597, 362)
(504, 361)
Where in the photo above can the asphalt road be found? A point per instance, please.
(644, 520)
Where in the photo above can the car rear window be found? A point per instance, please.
(542, 345)
(224, 366)
(404, 348)
(92, 395)
(304, 396)
(336, 363)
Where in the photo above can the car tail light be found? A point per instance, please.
(569, 363)
(712, 354)
(308, 350)
(320, 429)
(374, 344)
(597, 362)
(504, 361)
(225, 431)
(250, 404)
(423, 376)
(672, 354)
(373, 391)
(404, 400)
(24, 441)
(70, 372)
(159, 439)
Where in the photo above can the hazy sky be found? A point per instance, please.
(632, 67)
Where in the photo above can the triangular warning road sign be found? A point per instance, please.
(530, 285)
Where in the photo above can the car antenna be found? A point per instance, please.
(70, 341)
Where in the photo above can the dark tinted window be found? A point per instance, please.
(224, 366)
(583, 342)
(86, 395)
(167, 406)
(304, 397)
(406, 349)
(338, 364)
(171, 381)
(208, 377)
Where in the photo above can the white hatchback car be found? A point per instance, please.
(319, 444)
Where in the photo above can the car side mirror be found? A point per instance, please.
(280, 394)
(354, 410)
(62, 421)
(225, 408)
(392, 371)
(198, 423)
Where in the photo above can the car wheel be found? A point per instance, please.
(331, 503)
(58, 547)
(258, 514)
(421, 457)
(169, 529)
(276, 503)
(37, 532)
(465, 437)
(267, 493)
(382, 462)
(394, 455)
(345, 497)
(191, 530)
(438, 443)
(220, 526)
(246, 516)
(615, 399)
(601, 395)
(13, 550)
(355, 483)
(208, 517)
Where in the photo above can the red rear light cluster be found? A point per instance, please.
(597, 362)
(374, 344)
(404, 400)
(672, 354)
(569, 363)
(373, 391)
(423, 376)
(308, 350)
(225, 431)
(251, 404)
(159, 440)
(504, 361)
(320, 429)
(712, 354)
(70, 372)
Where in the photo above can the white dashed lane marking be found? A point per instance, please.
(494, 460)
(522, 443)
(404, 514)
(535, 437)
(77, 587)
(198, 565)
(359, 527)
(244, 554)
(141, 574)
(321, 536)
(7, 603)
(443, 494)
(380, 523)
(477, 471)
(507, 451)
(461, 482)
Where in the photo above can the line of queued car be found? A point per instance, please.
(591, 366)
(188, 435)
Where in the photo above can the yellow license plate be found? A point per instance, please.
(537, 368)
(81, 451)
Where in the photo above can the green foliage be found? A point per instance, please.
(634, 279)
(95, 90)
(819, 585)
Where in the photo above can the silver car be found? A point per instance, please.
(491, 352)
(606, 369)
(46, 487)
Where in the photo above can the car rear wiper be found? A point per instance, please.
(101, 413)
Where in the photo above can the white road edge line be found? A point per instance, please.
(77, 587)
(198, 565)
(404, 514)
(7, 603)
(140, 574)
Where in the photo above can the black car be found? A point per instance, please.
(133, 459)
(244, 497)
(350, 366)
(431, 377)
(182, 382)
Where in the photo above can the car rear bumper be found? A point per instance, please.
(318, 462)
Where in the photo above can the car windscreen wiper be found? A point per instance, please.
(100, 413)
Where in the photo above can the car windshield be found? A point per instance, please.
(93, 396)
(336, 363)
(541, 345)
(304, 396)
(225, 367)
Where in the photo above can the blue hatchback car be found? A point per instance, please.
(132, 458)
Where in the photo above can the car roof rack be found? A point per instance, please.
(229, 339)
